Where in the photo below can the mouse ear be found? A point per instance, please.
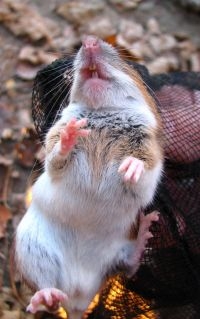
(50, 94)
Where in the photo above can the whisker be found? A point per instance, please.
(66, 76)
(58, 113)
(54, 78)
(152, 93)
(55, 102)
(60, 108)
(121, 48)
(61, 104)
(126, 52)
(42, 136)
(58, 95)
(62, 51)
(50, 67)
(71, 55)
(59, 84)
(33, 170)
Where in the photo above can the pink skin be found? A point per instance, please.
(90, 44)
(143, 236)
(51, 298)
(132, 169)
(69, 135)
(93, 73)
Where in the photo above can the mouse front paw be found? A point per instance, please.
(51, 298)
(69, 135)
(132, 168)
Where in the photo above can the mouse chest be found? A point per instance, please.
(123, 123)
(113, 136)
(110, 128)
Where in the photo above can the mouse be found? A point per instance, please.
(103, 163)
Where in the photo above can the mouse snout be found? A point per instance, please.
(91, 45)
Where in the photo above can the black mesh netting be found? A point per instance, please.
(167, 284)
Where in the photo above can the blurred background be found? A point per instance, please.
(162, 35)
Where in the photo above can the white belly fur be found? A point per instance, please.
(84, 224)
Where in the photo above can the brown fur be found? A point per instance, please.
(100, 155)
(101, 150)
(53, 136)
(154, 148)
(141, 85)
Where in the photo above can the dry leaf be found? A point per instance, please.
(10, 84)
(111, 39)
(30, 54)
(26, 71)
(26, 148)
(5, 170)
(79, 12)
(100, 26)
(36, 56)
(7, 314)
(5, 216)
(23, 20)
(125, 4)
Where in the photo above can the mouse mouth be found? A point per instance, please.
(93, 71)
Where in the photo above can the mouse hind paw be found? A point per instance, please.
(51, 298)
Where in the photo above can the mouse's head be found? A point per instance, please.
(101, 77)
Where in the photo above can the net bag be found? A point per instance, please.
(167, 284)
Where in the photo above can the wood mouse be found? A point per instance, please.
(104, 160)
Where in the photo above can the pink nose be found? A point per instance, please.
(90, 44)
